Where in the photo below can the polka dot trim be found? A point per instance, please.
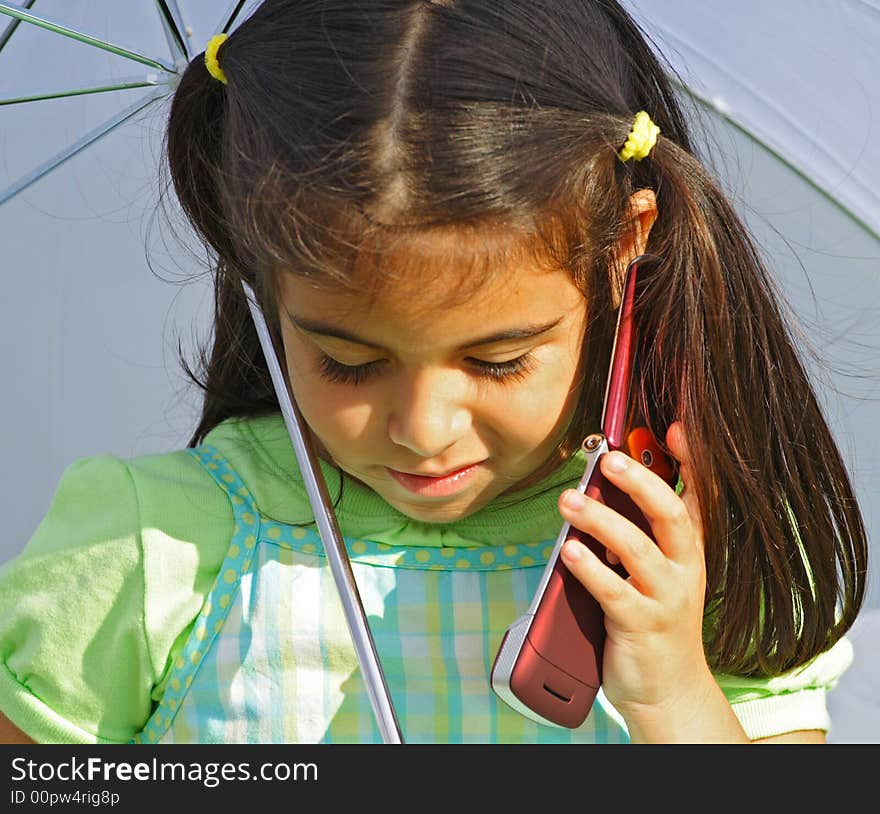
(432, 558)
(213, 613)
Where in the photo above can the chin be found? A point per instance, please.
(447, 511)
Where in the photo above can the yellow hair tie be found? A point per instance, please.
(211, 62)
(642, 138)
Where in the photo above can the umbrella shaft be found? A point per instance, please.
(334, 545)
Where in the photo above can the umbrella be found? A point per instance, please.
(785, 89)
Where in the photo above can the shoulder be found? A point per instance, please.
(259, 449)
(107, 500)
(171, 494)
(91, 608)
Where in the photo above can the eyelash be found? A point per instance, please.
(502, 372)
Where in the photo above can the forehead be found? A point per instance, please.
(454, 282)
(459, 266)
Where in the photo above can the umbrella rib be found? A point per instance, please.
(175, 29)
(231, 14)
(22, 14)
(10, 29)
(120, 84)
(81, 144)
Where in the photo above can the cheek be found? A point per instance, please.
(336, 414)
(537, 410)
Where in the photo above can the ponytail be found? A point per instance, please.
(234, 378)
(785, 542)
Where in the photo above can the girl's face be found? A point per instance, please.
(438, 405)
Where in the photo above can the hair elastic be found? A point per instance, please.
(211, 61)
(641, 139)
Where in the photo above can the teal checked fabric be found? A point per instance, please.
(269, 658)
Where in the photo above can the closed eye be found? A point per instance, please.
(504, 372)
(508, 371)
(338, 373)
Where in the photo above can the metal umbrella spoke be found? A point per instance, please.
(229, 18)
(23, 14)
(177, 30)
(88, 139)
(10, 28)
(331, 536)
(127, 83)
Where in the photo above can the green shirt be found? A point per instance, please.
(97, 607)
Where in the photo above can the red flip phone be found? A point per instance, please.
(549, 664)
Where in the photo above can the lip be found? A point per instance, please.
(436, 485)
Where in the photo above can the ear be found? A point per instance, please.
(641, 216)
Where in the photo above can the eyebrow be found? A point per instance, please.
(325, 329)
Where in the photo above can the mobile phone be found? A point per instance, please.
(549, 664)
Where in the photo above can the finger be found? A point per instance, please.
(606, 586)
(677, 443)
(638, 553)
(665, 512)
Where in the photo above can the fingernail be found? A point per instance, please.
(571, 551)
(617, 461)
(574, 500)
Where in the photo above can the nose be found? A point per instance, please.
(430, 413)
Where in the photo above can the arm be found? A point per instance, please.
(83, 632)
(10, 733)
(802, 736)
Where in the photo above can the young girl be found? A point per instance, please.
(435, 203)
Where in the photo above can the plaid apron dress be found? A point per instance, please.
(269, 658)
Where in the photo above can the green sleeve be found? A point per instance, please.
(75, 663)
(790, 702)
(94, 609)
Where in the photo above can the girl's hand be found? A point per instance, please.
(654, 666)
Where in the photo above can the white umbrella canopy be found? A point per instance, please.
(798, 76)
(94, 367)
(786, 90)
(72, 72)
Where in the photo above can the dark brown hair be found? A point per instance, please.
(348, 125)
